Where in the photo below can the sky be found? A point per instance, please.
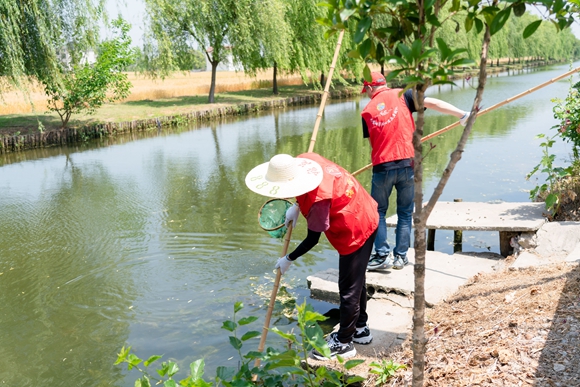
(134, 12)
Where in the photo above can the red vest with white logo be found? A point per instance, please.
(391, 127)
(353, 212)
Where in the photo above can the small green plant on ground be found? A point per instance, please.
(287, 367)
(385, 370)
(567, 112)
(546, 190)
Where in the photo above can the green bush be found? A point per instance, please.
(287, 367)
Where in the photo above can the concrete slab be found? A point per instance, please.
(530, 259)
(557, 239)
(444, 274)
(389, 323)
(574, 255)
(479, 216)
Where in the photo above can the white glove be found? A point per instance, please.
(463, 120)
(292, 215)
(283, 264)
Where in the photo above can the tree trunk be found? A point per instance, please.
(275, 80)
(214, 66)
(322, 79)
(421, 213)
(383, 69)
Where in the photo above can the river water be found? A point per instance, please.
(148, 241)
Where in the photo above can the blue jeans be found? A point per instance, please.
(383, 182)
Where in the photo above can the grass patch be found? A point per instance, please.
(27, 123)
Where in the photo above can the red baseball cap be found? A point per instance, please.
(378, 80)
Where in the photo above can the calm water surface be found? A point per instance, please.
(149, 241)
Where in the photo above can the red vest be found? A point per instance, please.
(391, 127)
(353, 212)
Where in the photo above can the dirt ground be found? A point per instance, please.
(513, 328)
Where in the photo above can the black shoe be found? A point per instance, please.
(336, 348)
(362, 335)
(400, 262)
(380, 262)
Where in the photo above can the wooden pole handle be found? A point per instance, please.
(326, 92)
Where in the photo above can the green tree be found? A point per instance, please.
(86, 87)
(32, 34)
(421, 60)
(218, 27)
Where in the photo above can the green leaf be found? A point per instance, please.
(238, 306)
(229, 326)
(133, 361)
(172, 368)
(250, 335)
(143, 382)
(468, 24)
(323, 21)
(151, 360)
(169, 383)
(478, 25)
(287, 336)
(443, 48)
(353, 363)
(353, 380)
(225, 373)
(346, 13)
(551, 200)
(405, 52)
(247, 320)
(122, 355)
(197, 369)
(499, 20)
(365, 48)
(531, 28)
(235, 342)
(367, 73)
(463, 62)
(519, 9)
(380, 56)
(362, 27)
(416, 49)
(353, 54)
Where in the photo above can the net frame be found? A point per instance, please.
(288, 204)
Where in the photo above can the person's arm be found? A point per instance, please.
(318, 220)
(444, 107)
(306, 245)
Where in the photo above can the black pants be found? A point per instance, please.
(352, 288)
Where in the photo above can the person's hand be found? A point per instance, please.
(283, 264)
(463, 120)
(292, 214)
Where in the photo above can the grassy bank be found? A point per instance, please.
(164, 103)
(35, 130)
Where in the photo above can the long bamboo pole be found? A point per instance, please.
(482, 112)
(326, 92)
(289, 232)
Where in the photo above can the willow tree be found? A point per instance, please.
(422, 61)
(222, 29)
(268, 44)
(34, 33)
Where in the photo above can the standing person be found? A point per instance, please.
(333, 202)
(389, 125)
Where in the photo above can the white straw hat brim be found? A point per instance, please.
(284, 177)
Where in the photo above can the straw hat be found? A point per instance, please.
(284, 177)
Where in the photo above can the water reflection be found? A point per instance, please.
(149, 239)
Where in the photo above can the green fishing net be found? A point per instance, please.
(272, 216)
